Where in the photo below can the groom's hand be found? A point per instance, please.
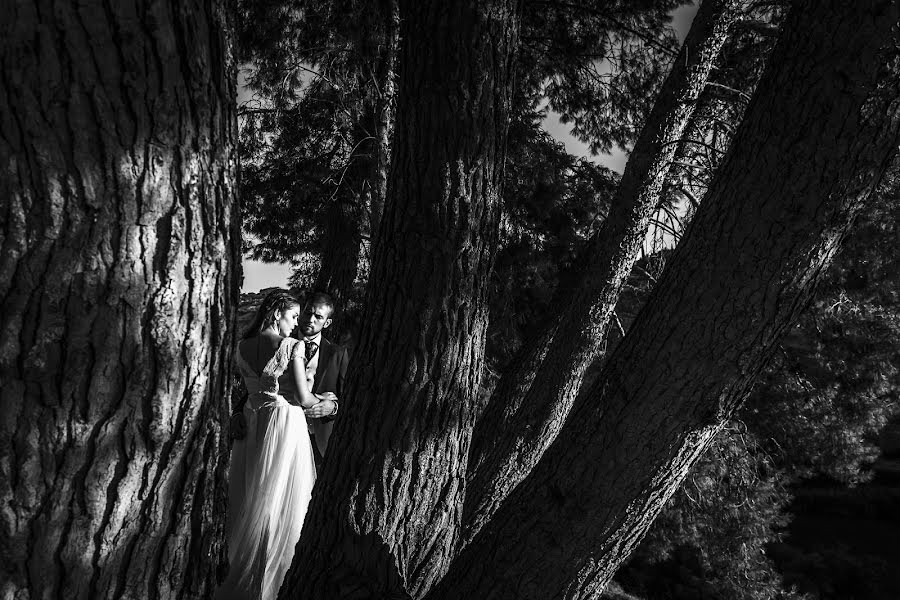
(324, 408)
(238, 426)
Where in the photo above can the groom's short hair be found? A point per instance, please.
(321, 299)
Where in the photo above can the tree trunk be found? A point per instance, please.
(383, 520)
(340, 258)
(822, 128)
(384, 126)
(368, 173)
(532, 400)
(118, 284)
(341, 238)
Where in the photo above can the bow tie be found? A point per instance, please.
(311, 348)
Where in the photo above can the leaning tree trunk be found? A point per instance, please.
(117, 291)
(532, 400)
(384, 516)
(819, 133)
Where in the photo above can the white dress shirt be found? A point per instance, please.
(313, 364)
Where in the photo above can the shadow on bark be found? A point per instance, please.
(370, 550)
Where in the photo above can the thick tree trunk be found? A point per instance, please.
(532, 400)
(118, 286)
(823, 126)
(387, 506)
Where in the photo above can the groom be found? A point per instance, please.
(329, 361)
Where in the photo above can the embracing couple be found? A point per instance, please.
(294, 383)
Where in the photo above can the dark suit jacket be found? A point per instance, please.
(332, 369)
(331, 373)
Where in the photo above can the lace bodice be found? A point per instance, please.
(275, 379)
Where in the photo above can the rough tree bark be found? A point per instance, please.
(532, 400)
(820, 131)
(118, 284)
(387, 506)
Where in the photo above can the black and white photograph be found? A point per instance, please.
(450, 299)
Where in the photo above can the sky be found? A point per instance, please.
(259, 275)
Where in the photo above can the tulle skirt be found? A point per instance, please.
(270, 482)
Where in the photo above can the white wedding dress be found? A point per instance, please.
(271, 478)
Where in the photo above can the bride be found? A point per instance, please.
(272, 470)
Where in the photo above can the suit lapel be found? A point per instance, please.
(326, 349)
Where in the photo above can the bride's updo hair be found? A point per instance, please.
(275, 301)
